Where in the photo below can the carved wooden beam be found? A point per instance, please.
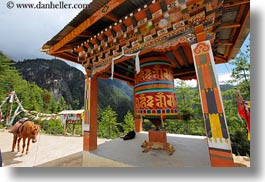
(230, 25)
(87, 23)
(66, 57)
(69, 55)
(240, 32)
(123, 76)
(220, 59)
(235, 3)
(225, 43)
(86, 34)
(111, 17)
(184, 73)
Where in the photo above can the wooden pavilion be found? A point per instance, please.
(71, 117)
(149, 43)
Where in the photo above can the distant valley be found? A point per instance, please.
(60, 79)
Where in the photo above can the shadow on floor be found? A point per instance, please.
(73, 160)
(9, 158)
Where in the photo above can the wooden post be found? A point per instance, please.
(9, 109)
(137, 119)
(65, 128)
(138, 124)
(73, 128)
(90, 114)
(213, 111)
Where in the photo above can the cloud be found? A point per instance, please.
(78, 66)
(191, 83)
(24, 31)
(222, 79)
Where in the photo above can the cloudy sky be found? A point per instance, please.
(24, 31)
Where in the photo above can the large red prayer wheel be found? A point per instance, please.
(155, 96)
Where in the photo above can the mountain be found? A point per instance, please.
(226, 86)
(57, 77)
(67, 81)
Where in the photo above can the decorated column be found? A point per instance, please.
(212, 106)
(90, 114)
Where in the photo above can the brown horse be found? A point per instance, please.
(29, 131)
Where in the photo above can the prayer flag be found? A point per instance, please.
(243, 111)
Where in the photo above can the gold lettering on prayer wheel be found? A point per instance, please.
(155, 96)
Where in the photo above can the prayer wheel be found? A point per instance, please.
(155, 96)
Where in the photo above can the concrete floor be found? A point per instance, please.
(60, 151)
(190, 151)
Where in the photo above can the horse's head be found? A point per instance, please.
(34, 132)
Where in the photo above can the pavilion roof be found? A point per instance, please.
(90, 30)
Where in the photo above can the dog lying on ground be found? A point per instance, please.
(158, 145)
(130, 135)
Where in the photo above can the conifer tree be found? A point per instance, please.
(107, 125)
(128, 122)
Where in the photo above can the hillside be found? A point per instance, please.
(29, 94)
(57, 77)
(66, 81)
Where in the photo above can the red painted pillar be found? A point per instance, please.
(138, 122)
(213, 111)
(90, 114)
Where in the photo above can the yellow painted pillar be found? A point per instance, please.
(213, 111)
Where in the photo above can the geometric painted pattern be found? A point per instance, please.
(212, 106)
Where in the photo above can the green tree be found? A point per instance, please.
(237, 128)
(241, 72)
(53, 127)
(188, 101)
(107, 125)
(31, 96)
(128, 122)
(62, 104)
(76, 104)
(241, 78)
(147, 125)
(183, 93)
(9, 76)
(190, 119)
